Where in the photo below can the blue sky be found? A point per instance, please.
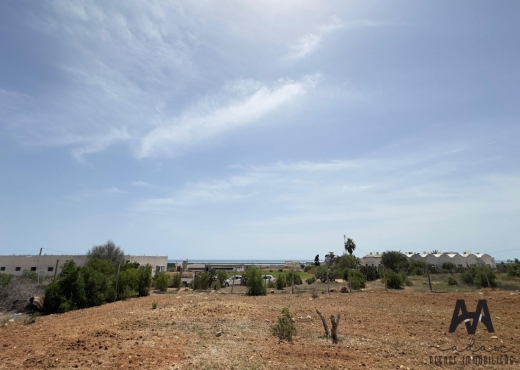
(259, 130)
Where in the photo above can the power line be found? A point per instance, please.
(507, 250)
(54, 250)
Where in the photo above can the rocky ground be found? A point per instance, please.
(220, 330)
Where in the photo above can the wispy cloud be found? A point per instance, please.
(207, 120)
(309, 43)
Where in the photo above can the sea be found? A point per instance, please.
(250, 261)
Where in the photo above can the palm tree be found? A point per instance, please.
(350, 246)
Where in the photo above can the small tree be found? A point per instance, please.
(144, 280)
(161, 281)
(98, 276)
(254, 282)
(108, 251)
(284, 328)
(317, 260)
(395, 261)
(68, 292)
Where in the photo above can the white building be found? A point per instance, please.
(459, 260)
(46, 265)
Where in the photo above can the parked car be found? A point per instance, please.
(233, 280)
(268, 278)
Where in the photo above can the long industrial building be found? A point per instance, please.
(459, 260)
(46, 265)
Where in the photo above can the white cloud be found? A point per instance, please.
(209, 120)
(113, 190)
(309, 43)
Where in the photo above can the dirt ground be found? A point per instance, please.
(219, 330)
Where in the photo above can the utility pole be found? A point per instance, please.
(56, 270)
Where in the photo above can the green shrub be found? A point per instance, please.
(161, 281)
(127, 283)
(513, 269)
(6, 279)
(288, 279)
(271, 284)
(154, 305)
(254, 282)
(98, 276)
(221, 277)
(30, 275)
(395, 261)
(450, 266)
(144, 280)
(417, 268)
(371, 272)
(476, 275)
(434, 269)
(280, 282)
(307, 268)
(284, 328)
(68, 292)
(176, 280)
(216, 285)
(202, 281)
(357, 279)
(311, 280)
(452, 281)
(404, 278)
(393, 280)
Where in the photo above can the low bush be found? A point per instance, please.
(513, 269)
(6, 279)
(216, 285)
(154, 305)
(30, 275)
(307, 268)
(289, 276)
(176, 281)
(284, 328)
(452, 281)
(311, 280)
(202, 281)
(144, 280)
(417, 268)
(357, 279)
(161, 281)
(271, 284)
(221, 277)
(280, 282)
(371, 272)
(450, 266)
(476, 275)
(394, 280)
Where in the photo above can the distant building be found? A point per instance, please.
(45, 265)
(459, 260)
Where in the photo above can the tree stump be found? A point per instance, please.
(325, 326)
(334, 330)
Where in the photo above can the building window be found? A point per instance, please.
(17, 268)
(50, 269)
(33, 268)
(2, 268)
